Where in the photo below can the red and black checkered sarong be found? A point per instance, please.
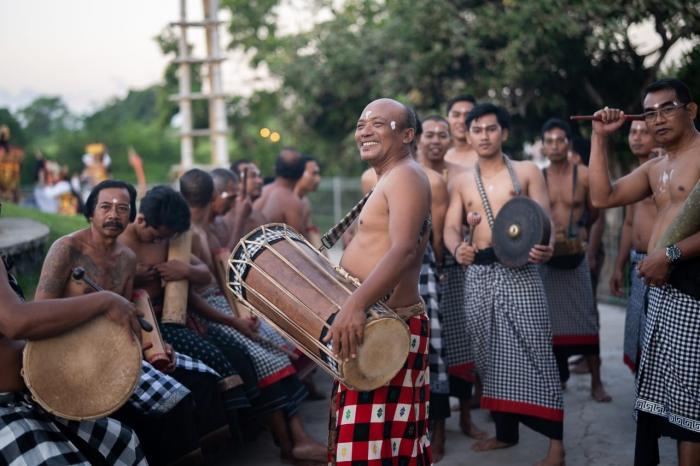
(389, 425)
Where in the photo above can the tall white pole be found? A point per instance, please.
(186, 146)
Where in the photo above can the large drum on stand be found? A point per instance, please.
(287, 282)
(85, 373)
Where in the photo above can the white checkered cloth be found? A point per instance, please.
(156, 392)
(429, 289)
(29, 436)
(572, 311)
(182, 361)
(668, 377)
(270, 363)
(454, 337)
(508, 323)
(634, 318)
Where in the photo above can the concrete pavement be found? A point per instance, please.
(595, 434)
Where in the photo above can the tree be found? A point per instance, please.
(538, 58)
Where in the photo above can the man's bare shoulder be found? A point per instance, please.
(435, 178)
(125, 252)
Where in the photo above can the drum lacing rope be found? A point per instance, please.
(482, 191)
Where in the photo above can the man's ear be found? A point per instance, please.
(693, 110)
(409, 135)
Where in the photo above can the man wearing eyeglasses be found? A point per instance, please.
(668, 377)
(566, 276)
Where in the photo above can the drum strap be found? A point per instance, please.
(333, 235)
(482, 191)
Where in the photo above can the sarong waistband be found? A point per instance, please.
(637, 256)
(413, 310)
(485, 257)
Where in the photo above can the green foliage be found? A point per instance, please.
(538, 58)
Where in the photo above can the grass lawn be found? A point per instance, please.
(59, 225)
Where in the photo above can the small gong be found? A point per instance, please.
(520, 224)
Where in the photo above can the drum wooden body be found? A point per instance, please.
(85, 373)
(286, 281)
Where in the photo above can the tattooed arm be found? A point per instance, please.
(56, 270)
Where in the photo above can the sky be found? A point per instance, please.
(88, 51)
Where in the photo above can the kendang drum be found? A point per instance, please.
(85, 373)
(287, 282)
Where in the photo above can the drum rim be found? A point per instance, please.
(26, 352)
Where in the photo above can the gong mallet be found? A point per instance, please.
(473, 219)
(595, 118)
(79, 274)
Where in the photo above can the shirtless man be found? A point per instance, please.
(385, 255)
(253, 189)
(462, 152)
(668, 375)
(566, 277)
(506, 308)
(308, 183)
(278, 203)
(31, 435)
(229, 198)
(109, 208)
(636, 232)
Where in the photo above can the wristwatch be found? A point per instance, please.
(673, 254)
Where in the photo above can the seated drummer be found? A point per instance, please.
(29, 434)
(158, 416)
(279, 392)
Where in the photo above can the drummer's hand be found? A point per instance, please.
(465, 254)
(347, 331)
(173, 270)
(654, 269)
(616, 283)
(247, 327)
(145, 273)
(611, 120)
(170, 353)
(255, 322)
(541, 253)
(123, 312)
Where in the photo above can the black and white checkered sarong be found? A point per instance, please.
(271, 364)
(508, 323)
(156, 392)
(572, 311)
(455, 339)
(668, 377)
(31, 436)
(634, 317)
(429, 289)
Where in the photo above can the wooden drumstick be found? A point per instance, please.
(473, 219)
(244, 180)
(79, 274)
(594, 118)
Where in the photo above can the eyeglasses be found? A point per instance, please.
(666, 111)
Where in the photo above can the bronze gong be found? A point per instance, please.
(520, 224)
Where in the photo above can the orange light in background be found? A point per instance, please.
(264, 132)
(275, 137)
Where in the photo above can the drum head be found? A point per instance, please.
(382, 354)
(85, 373)
(520, 224)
